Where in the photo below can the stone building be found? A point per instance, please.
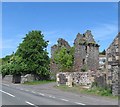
(112, 64)
(86, 52)
(86, 55)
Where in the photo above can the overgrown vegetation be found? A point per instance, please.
(93, 91)
(31, 57)
(64, 58)
(99, 91)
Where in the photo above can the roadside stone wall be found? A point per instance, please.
(8, 78)
(18, 79)
(85, 79)
(75, 78)
(27, 78)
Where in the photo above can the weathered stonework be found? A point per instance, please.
(85, 79)
(86, 55)
(18, 79)
(75, 78)
(100, 80)
(112, 64)
(86, 52)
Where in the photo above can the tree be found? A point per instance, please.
(34, 54)
(5, 65)
(64, 59)
(5, 69)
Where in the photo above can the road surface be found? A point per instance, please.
(26, 95)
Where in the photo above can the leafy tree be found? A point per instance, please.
(34, 54)
(64, 58)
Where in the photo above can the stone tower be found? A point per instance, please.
(86, 52)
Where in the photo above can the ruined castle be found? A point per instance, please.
(86, 53)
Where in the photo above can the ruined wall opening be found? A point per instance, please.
(83, 61)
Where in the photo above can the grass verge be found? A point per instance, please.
(38, 82)
(93, 91)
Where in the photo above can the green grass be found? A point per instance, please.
(94, 91)
(38, 82)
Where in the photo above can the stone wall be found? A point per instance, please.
(86, 52)
(8, 78)
(18, 79)
(115, 80)
(75, 78)
(112, 64)
(112, 58)
(86, 79)
(27, 78)
(100, 80)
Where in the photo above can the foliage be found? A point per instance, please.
(93, 91)
(33, 53)
(17, 66)
(5, 65)
(5, 69)
(100, 91)
(64, 58)
(31, 57)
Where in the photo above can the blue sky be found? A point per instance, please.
(58, 20)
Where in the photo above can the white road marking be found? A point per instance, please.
(79, 103)
(7, 93)
(64, 100)
(51, 96)
(42, 94)
(30, 103)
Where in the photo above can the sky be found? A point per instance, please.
(58, 20)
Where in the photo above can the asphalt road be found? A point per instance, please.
(12, 96)
(26, 95)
